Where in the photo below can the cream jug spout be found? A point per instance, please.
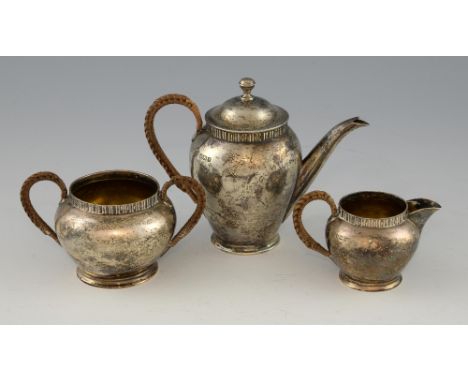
(420, 210)
(314, 161)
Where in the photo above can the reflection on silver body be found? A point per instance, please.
(371, 236)
(249, 162)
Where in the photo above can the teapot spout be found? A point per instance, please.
(314, 161)
(419, 210)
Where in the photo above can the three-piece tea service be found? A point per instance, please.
(248, 175)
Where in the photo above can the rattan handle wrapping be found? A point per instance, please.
(158, 104)
(297, 219)
(26, 200)
(186, 184)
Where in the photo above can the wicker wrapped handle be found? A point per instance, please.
(297, 219)
(158, 104)
(186, 184)
(26, 200)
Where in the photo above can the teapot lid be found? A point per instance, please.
(246, 118)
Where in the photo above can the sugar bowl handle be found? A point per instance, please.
(187, 185)
(26, 200)
(158, 104)
(297, 219)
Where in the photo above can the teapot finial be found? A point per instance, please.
(247, 84)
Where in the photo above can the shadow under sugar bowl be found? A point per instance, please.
(371, 236)
(114, 224)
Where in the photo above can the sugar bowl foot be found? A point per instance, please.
(118, 281)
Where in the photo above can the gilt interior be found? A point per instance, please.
(374, 205)
(114, 188)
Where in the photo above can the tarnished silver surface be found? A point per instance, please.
(371, 236)
(114, 224)
(249, 162)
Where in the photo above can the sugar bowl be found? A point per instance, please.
(114, 224)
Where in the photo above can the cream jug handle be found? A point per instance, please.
(158, 104)
(297, 219)
(26, 200)
(186, 184)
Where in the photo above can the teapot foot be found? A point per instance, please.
(370, 286)
(118, 281)
(244, 250)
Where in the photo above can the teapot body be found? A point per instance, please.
(248, 187)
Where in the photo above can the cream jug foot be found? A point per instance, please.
(368, 285)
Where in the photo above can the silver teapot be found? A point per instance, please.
(249, 162)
